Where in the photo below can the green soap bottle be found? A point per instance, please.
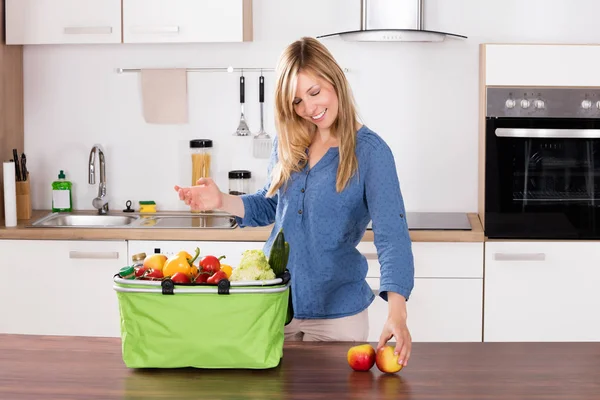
(61, 194)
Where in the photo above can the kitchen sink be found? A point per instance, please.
(174, 220)
(85, 221)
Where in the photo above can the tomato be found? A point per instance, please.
(180, 277)
(216, 277)
(201, 277)
(211, 264)
(139, 271)
(154, 274)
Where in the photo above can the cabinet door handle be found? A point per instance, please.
(520, 256)
(87, 30)
(154, 29)
(370, 256)
(96, 255)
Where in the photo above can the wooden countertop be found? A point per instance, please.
(39, 367)
(238, 234)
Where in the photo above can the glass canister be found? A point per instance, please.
(138, 259)
(201, 151)
(239, 182)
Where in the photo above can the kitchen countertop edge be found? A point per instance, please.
(257, 234)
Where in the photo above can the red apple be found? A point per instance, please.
(387, 361)
(361, 357)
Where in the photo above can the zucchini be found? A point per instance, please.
(280, 252)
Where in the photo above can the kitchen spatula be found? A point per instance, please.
(262, 140)
(242, 129)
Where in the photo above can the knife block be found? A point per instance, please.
(23, 190)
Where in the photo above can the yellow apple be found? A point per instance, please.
(387, 361)
(155, 261)
(361, 357)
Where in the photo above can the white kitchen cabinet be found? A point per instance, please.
(63, 21)
(187, 21)
(447, 300)
(502, 70)
(439, 310)
(542, 291)
(231, 250)
(435, 259)
(60, 287)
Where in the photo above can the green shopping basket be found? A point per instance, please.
(237, 325)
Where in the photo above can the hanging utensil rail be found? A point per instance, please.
(211, 69)
(204, 69)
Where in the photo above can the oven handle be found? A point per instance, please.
(548, 133)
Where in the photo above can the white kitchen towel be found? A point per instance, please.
(10, 194)
(164, 96)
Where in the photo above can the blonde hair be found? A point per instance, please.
(295, 133)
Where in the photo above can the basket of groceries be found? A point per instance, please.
(192, 311)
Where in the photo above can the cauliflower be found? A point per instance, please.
(254, 266)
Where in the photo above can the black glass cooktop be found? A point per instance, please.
(440, 221)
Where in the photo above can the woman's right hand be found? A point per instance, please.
(205, 195)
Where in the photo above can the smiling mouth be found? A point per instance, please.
(319, 116)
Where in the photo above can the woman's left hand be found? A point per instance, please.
(396, 327)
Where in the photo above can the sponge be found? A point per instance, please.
(147, 206)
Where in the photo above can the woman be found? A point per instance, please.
(329, 176)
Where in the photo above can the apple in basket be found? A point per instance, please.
(155, 261)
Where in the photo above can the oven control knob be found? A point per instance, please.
(525, 103)
(539, 104)
(598, 105)
(586, 104)
(510, 103)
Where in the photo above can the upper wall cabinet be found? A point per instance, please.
(63, 21)
(187, 21)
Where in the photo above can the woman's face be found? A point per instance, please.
(316, 101)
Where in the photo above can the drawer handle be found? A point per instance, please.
(370, 256)
(519, 256)
(87, 30)
(96, 255)
(154, 29)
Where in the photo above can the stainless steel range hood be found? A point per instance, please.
(392, 21)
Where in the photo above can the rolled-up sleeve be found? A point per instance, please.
(260, 210)
(388, 216)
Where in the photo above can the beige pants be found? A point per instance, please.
(354, 328)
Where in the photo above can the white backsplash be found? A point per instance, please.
(422, 98)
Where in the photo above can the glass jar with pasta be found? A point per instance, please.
(201, 151)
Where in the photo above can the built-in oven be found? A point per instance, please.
(542, 163)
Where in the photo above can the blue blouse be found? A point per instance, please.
(324, 227)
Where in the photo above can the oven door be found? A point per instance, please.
(542, 178)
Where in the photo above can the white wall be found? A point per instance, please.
(421, 97)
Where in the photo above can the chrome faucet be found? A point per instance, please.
(100, 202)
